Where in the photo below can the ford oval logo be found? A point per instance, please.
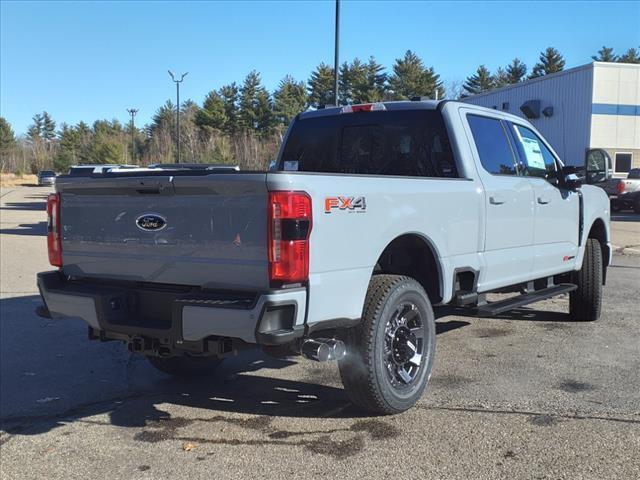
(151, 222)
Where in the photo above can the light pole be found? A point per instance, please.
(336, 55)
(132, 112)
(178, 82)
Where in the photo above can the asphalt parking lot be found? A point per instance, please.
(527, 395)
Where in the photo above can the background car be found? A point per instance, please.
(624, 193)
(46, 177)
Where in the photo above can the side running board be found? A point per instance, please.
(496, 308)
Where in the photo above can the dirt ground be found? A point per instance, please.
(13, 180)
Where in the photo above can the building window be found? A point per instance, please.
(623, 162)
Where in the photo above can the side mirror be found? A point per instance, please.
(572, 182)
(272, 165)
(570, 179)
(597, 166)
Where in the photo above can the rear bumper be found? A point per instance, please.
(177, 316)
(626, 200)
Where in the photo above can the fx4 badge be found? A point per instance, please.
(350, 204)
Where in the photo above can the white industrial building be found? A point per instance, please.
(593, 106)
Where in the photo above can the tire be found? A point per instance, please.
(615, 207)
(585, 303)
(636, 205)
(186, 366)
(397, 324)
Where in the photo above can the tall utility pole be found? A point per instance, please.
(336, 55)
(178, 82)
(132, 112)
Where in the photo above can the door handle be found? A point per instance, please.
(543, 200)
(496, 200)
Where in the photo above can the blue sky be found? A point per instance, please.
(90, 60)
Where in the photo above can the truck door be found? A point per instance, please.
(507, 255)
(555, 229)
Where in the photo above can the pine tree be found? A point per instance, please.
(48, 127)
(479, 82)
(35, 130)
(247, 112)
(229, 95)
(516, 71)
(106, 144)
(7, 137)
(265, 119)
(213, 113)
(320, 86)
(630, 56)
(500, 78)
(289, 99)
(163, 119)
(410, 79)
(372, 87)
(350, 75)
(85, 133)
(605, 54)
(69, 148)
(550, 61)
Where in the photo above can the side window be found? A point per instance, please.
(496, 154)
(539, 161)
(623, 162)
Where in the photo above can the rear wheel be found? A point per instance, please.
(390, 354)
(636, 205)
(585, 302)
(186, 366)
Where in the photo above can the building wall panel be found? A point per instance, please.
(570, 95)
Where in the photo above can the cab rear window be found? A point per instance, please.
(408, 143)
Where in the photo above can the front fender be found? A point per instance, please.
(596, 218)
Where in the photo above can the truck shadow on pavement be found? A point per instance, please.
(36, 206)
(31, 229)
(50, 375)
(522, 314)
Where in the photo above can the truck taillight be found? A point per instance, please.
(289, 230)
(54, 235)
(620, 186)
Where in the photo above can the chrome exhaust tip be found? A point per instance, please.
(323, 350)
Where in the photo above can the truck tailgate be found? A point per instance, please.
(207, 231)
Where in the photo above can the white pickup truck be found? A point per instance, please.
(371, 215)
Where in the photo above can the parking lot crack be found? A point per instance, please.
(568, 416)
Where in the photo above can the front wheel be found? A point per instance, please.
(390, 354)
(585, 302)
(186, 366)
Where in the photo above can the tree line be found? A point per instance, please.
(549, 61)
(243, 123)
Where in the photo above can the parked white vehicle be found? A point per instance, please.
(371, 215)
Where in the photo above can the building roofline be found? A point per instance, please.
(531, 81)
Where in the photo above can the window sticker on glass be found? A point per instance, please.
(291, 166)
(533, 152)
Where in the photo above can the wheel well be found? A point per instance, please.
(599, 232)
(411, 255)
